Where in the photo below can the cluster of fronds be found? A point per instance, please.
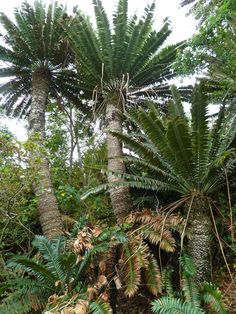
(195, 299)
(78, 272)
(135, 263)
(178, 154)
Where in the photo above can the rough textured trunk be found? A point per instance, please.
(199, 246)
(50, 218)
(120, 196)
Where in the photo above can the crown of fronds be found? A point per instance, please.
(129, 53)
(34, 41)
(177, 154)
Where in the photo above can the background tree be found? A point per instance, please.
(189, 158)
(211, 52)
(115, 63)
(37, 61)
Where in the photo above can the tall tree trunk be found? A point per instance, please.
(120, 196)
(200, 242)
(50, 218)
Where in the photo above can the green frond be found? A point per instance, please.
(118, 235)
(211, 296)
(143, 182)
(84, 43)
(175, 106)
(100, 307)
(200, 133)
(187, 265)
(157, 69)
(51, 251)
(153, 276)
(26, 295)
(167, 305)
(93, 191)
(167, 284)
(179, 138)
(190, 290)
(35, 268)
(119, 38)
(188, 284)
(104, 34)
(138, 38)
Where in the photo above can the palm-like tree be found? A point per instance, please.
(190, 158)
(36, 60)
(114, 63)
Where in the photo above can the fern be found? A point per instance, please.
(188, 284)
(99, 307)
(167, 305)
(211, 296)
(167, 285)
(51, 251)
(25, 295)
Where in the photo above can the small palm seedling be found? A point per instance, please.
(193, 298)
(189, 157)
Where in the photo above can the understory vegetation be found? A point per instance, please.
(120, 200)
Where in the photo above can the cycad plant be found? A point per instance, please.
(77, 273)
(115, 62)
(51, 277)
(36, 64)
(193, 298)
(190, 157)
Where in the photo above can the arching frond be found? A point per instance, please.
(167, 305)
(211, 296)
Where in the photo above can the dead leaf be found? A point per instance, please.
(96, 231)
(53, 299)
(102, 280)
(102, 266)
(91, 292)
(105, 296)
(68, 310)
(81, 307)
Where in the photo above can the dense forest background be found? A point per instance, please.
(120, 199)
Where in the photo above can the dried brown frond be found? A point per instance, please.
(131, 267)
(153, 275)
(83, 240)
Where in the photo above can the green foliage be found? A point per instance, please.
(57, 273)
(212, 48)
(32, 291)
(173, 306)
(193, 298)
(17, 204)
(127, 54)
(34, 42)
(99, 307)
(178, 155)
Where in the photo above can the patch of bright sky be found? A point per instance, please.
(183, 27)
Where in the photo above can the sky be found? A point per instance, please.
(183, 27)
